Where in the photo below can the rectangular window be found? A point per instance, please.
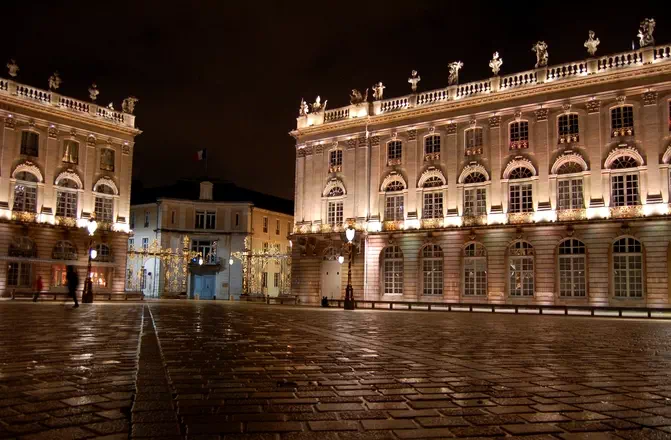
(394, 151)
(334, 216)
(237, 219)
(335, 158)
(25, 198)
(145, 243)
(474, 138)
(173, 214)
(104, 207)
(146, 219)
(19, 274)
(266, 246)
(572, 275)
(206, 249)
(433, 205)
(30, 143)
(277, 227)
(432, 145)
(276, 280)
(624, 190)
(475, 201)
(569, 194)
(568, 128)
(393, 277)
(206, 219)
(519, 135)
(131, 222)
(107, 159)
(521, 276)
(393, 210)
(520, 199)
(622, 121)
(131, 243)
(432, 270)
(71, 151)
(58, 276)
(265, 224)
(66, 204)
(289, 228)
(264, 280)
(100, 277)
(475, 276)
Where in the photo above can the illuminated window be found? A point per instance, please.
(475, 201)
(59, 275)
(335, 158)
(206, 219)
(64, 250)
(30, 143)
(475, 270)
(66, 198)
(433, 205)
(572, 264)
(567, 126)
(473, 141)
(624, 185)
(433, 182)
(107, 159)
(520, 195)
(622, 121)
(100, 277)
(394, 150)
(628, 268)
(432, 269)
(569, 194)
(432, 144)
(70, 151)
(104, 253)
(104, 209)
(521, 269)
(25, 192)
(475, 177)
(519, 135)
(393, 209)
(334, 216)
(19, 274)
(393, 270)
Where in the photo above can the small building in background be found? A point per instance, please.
(208, 240)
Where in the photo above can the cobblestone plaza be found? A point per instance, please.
(205, 370)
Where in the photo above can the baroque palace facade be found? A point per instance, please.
(62, 161)
(549, 186)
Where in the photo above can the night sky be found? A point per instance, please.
(229, 76)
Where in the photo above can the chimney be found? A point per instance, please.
(205, 190)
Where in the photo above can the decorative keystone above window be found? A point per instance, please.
(412, 135)
(451, 128)
(541, 114)
(10, 122)
(494, 121)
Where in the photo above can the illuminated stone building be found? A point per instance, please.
(219, 221)
(62, 161)
(549, 186)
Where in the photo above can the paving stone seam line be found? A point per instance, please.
(137, 370)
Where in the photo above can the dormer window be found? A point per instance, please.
(622, 121)
(519, 135)
(568, 128)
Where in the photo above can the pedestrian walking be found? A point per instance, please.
(38, 288)
(73, 282)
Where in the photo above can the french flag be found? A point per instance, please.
(201, 154)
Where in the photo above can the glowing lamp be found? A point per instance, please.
(200, 261)
(92, 225)
(341, 259)
(230, 261)
(94, 254)
(349, 233)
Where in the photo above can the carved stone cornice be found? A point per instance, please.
(451, 128)
(593, 106)
(10, 123)
(53, 132)
(319, 148)
(351, 143)
(375, 141)
(649, 98)
(541, 114)
(412, 135)
(362, 141)
(494, 121)
(307, 151)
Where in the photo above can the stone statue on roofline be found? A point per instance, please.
(414, 80)
(355, 98)
(495, 63)
(93, 92)
(645, 37)
(592, 43)
(541, 49)
(55, 81)
(378, 91)
(453, 77)
(317, 106)
(128, 104)
(13, 68)
(303, 110)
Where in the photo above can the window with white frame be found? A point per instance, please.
(432, 144)
(624, 183)
(25, 192)
(206, 220)
(394, 151)
(628, 268)
(145, 243)
(432, 269)
(473, 141)
(64, 250)
(131, 243)
(567, 126)
(622, 120)
(59, 275)
(519, 135)
(107, 159)
(265, 224)
(475, 201)
(433, 205)
(475, 177)
(70, 151)
(206, 248)
(475, 270)
(334, 215)
(264, 280)
(335, 160)
(336, 191)
(572, 268)
(521, 269)
(569, 190)
(66, 198)
(19, 273)
(520, 195)
(30, 142)
(104, 204)
(393, 270)
(393, 209)
(104, 253)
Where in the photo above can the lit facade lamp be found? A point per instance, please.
(341, 259)
(349, 290)
(200, 261)
(87, 296)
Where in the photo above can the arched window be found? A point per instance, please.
(393, 270)
(475, 177)
(519, 135)
(567, 127)
(64, 250)
(394, 152)
(104, 205)
(66, 198)
(624, 183)
(335, 192)
(473, 141)
(572, 268)
(432, 144)
(104, 253)
(569, 189)
(25, 192)
(521, 269)
(433, 182)
(30, 143)
(520, 195)
(628, 268)
(393, 209)
(475, 270)
(432, 269)
(70, 151)
(20, 272)
(622, 120)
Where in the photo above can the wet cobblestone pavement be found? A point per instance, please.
(202, 370)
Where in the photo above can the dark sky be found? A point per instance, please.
(228, 76)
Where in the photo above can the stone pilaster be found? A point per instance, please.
(594, 144)
(359, 188)
(653, 148)
(542, 150)
(412, 161)
(451, 148)
(299, 187)
(375, 169)
(496, 148)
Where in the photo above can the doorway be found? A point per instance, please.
(203, 286)
(330, 279)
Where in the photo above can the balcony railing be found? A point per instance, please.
(568, 215)
(626, 211)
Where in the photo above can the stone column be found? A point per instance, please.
(496, 149)
(542, 149)
(593, 144)
(374, 177)
(452, 160)
(359, 181)
(412, 161)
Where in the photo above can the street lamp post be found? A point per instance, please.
(349, 290)
(87, 296)
(230, 266)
